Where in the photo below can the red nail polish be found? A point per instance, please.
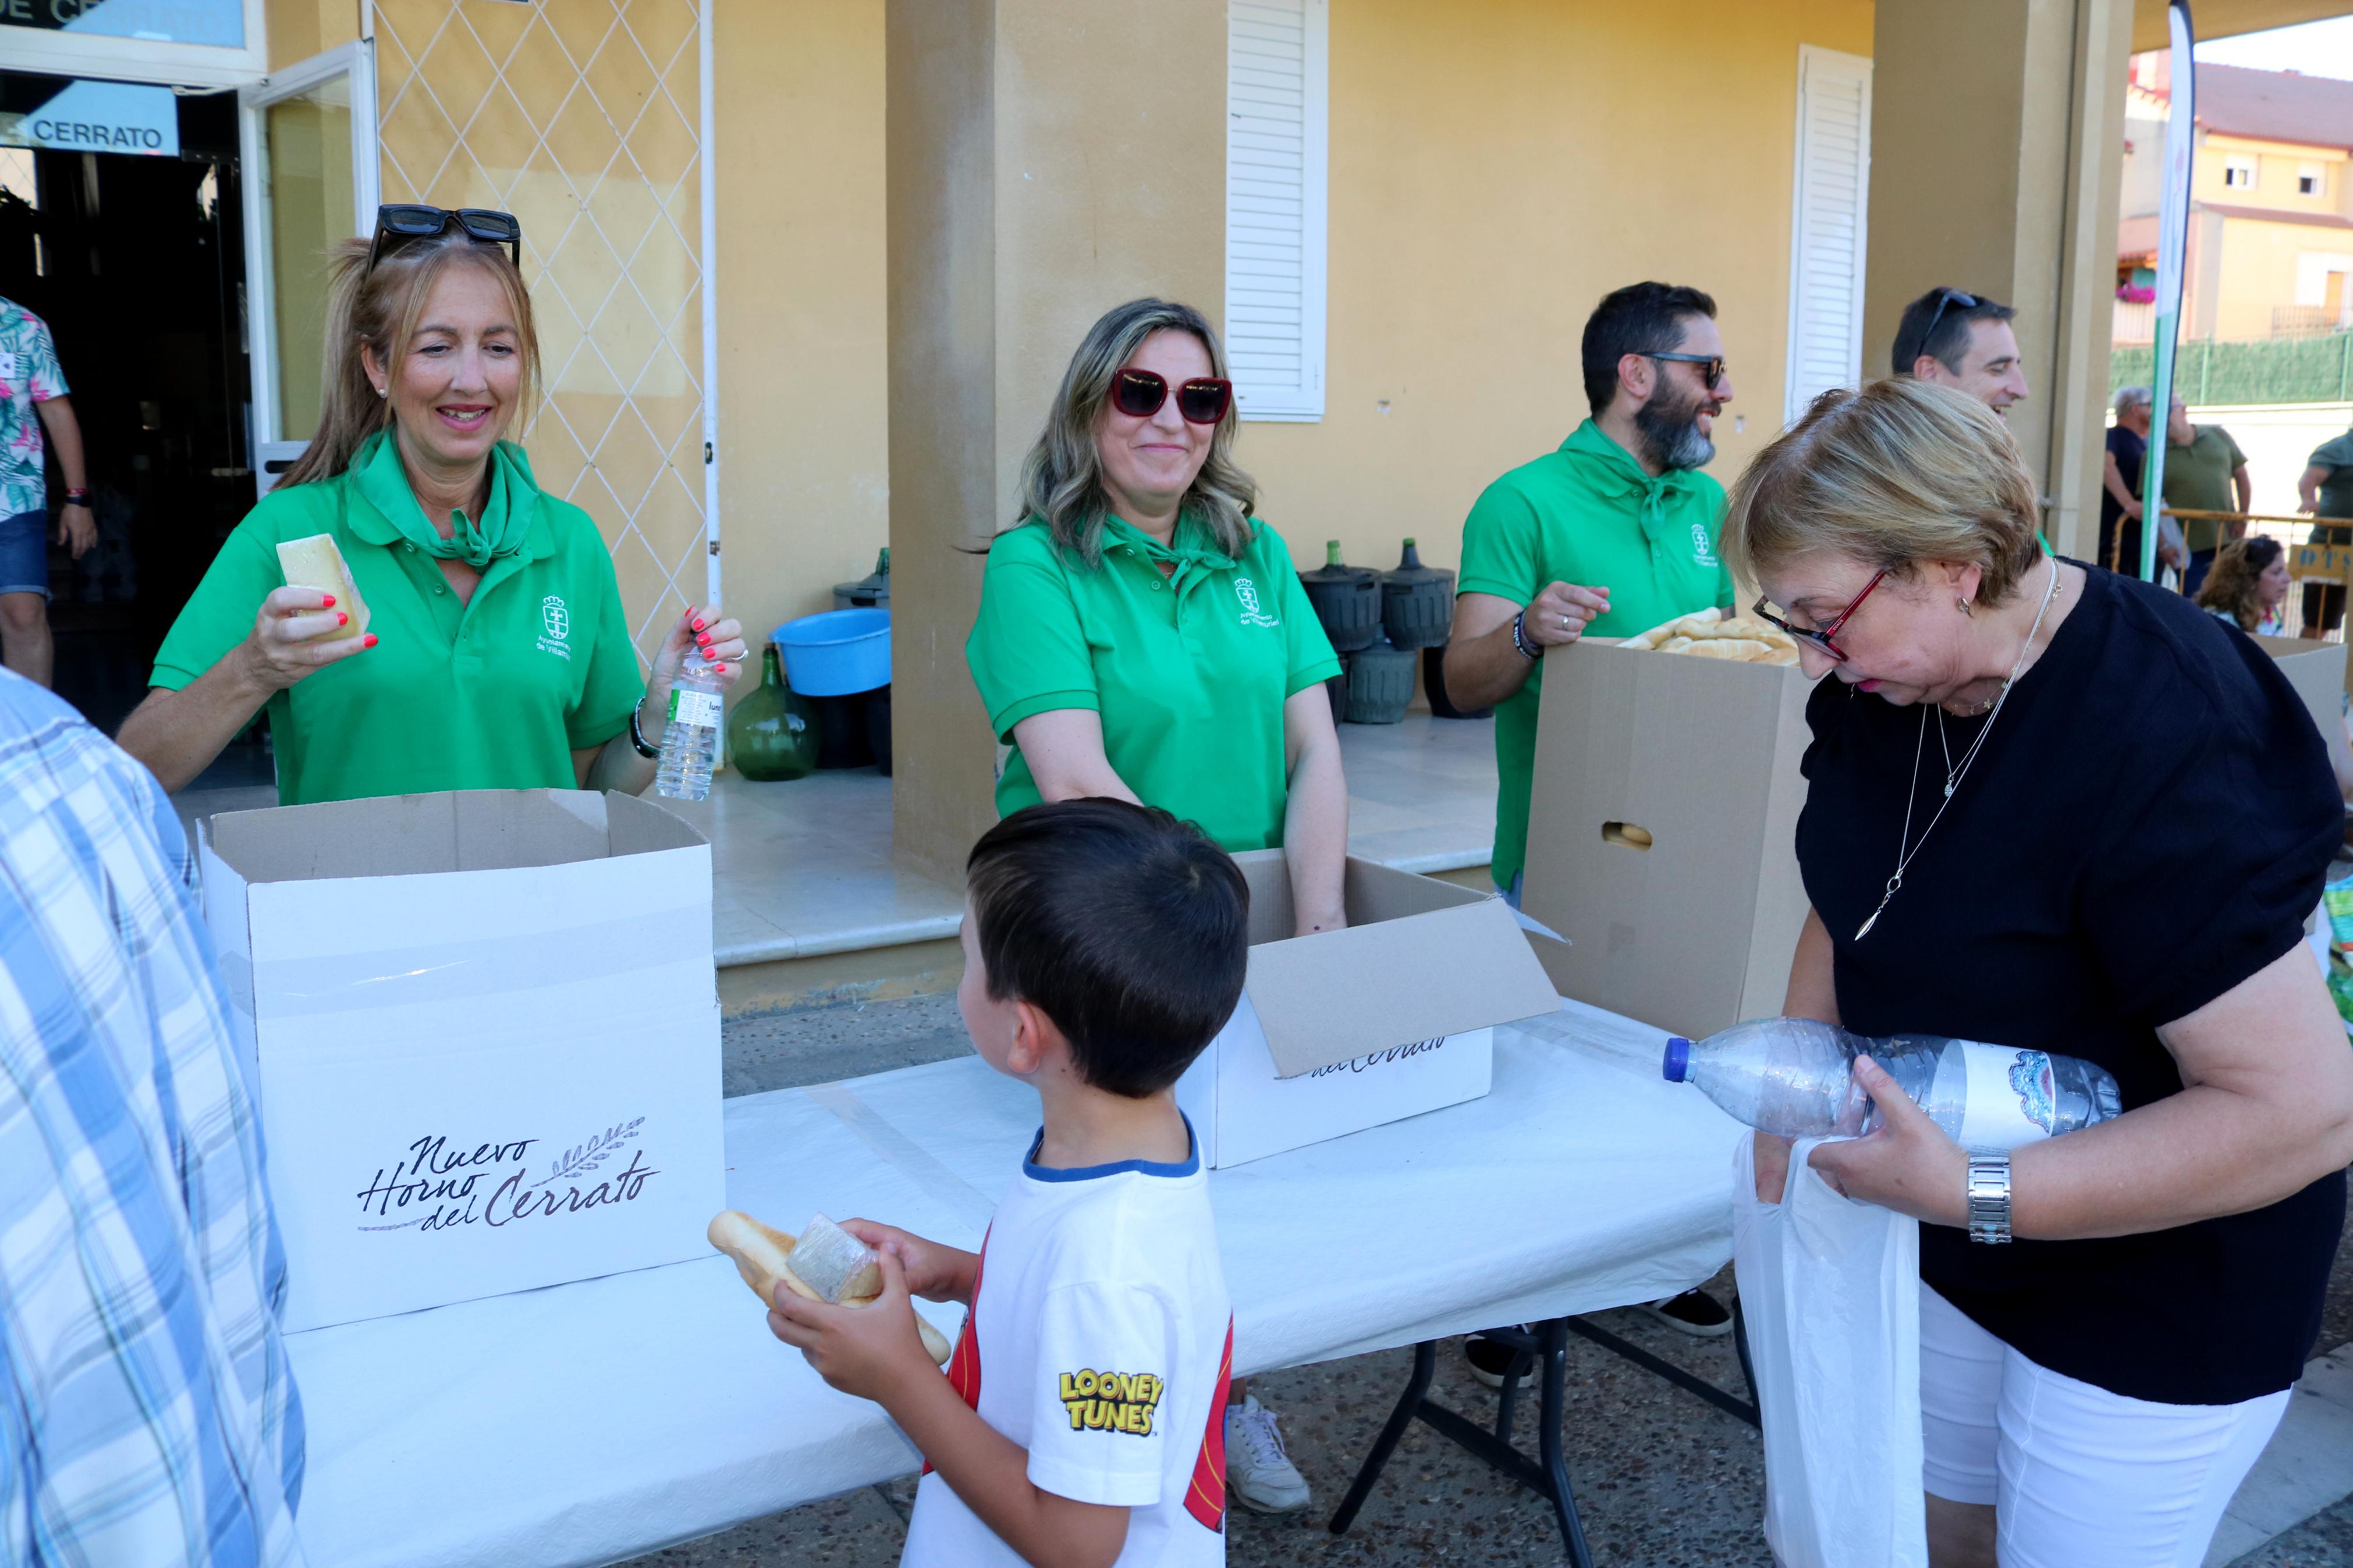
(717, 670)
(368, 641)
(698, 626)
(702, 639)
(342, 619)
(330, 602)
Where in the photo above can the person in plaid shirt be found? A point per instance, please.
(33, 396)
(147, 1416)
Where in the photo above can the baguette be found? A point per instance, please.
(762, 1255)
(1742, 650)
(315, 563)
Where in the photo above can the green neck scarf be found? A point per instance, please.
(1612, 471)
(506, 516)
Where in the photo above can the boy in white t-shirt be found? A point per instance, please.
(1081, 1420)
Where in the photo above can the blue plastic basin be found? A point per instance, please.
(837, 653)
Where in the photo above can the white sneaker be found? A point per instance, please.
(1259, 1474)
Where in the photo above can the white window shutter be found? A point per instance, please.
(1277, 75)
(1828, 225)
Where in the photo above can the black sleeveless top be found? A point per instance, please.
(2150, 824)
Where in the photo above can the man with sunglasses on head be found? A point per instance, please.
(1963, 341)
(1612, 534)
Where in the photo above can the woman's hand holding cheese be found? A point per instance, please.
(292, 637)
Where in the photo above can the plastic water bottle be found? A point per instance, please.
(690, 737)
(1795, 1076)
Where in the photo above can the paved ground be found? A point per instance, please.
(1663, 1479)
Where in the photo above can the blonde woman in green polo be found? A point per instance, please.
(497, 655)
(1143, 636)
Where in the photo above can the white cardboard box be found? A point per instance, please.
(1349, 1030)
(487, 1028)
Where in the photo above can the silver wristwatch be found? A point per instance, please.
(1989, 1198)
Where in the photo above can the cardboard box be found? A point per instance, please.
(1694, 932)
(1349, 1030)
(486, 1026)
(2317, 671)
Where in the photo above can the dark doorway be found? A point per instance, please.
(137, 266)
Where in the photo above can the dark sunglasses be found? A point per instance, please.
(1946, 297)
(1821, 636)
(1713, 364)
(399, 222)
(1138, 393)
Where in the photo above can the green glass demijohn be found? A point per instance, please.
(773, 732)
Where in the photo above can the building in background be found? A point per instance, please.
(2266, 347)
(2271, 224)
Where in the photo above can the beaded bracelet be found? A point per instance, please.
(1519, 637)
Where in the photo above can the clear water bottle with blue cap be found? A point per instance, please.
(1795, 1076)
(690, 742)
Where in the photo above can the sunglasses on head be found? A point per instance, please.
(1203, 400)
(1712, 365)
(399, 222)
(1945, 297)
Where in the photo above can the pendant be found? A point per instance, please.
(1893, 883)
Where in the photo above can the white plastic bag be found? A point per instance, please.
(1830, 1290)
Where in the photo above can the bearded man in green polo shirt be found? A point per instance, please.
(1613, 532)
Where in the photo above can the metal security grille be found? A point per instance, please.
(580, 118)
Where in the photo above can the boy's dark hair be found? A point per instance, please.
(1640, 319)
(1944, 338)
(1127, 928)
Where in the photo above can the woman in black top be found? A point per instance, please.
(2055, 808)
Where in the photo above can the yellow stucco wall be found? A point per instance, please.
(804, 493)
(1489, 184)
(2257, 271)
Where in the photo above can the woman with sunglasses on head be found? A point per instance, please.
(2061, 811)
(497, 655)
(1143, 636)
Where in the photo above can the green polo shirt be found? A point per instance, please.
(490, 694)
(2336, 489)
(1586, 514)
(1189, 671)
(2198, 479)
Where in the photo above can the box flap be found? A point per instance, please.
(455, 830)
(1325, 998)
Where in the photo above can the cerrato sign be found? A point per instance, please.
(101, 117)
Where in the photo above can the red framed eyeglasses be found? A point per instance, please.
(1821, 636)
(1139, 394)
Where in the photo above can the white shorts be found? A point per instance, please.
(2079, 1478)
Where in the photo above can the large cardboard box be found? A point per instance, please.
(1349, 1030)
(487, 1028)
(1662, 832)
(2317, 671)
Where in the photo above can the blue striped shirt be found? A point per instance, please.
(147, 1417)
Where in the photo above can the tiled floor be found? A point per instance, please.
(804, 869)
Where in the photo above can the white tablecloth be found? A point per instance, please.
(590, 1422)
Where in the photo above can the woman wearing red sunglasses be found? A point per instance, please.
(1142, 636)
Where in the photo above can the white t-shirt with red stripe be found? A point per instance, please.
(1101, 1340)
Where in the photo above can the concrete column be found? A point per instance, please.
(1048, 159)
(1997, 154)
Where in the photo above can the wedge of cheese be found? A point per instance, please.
(315, 563)
(762, 1255)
